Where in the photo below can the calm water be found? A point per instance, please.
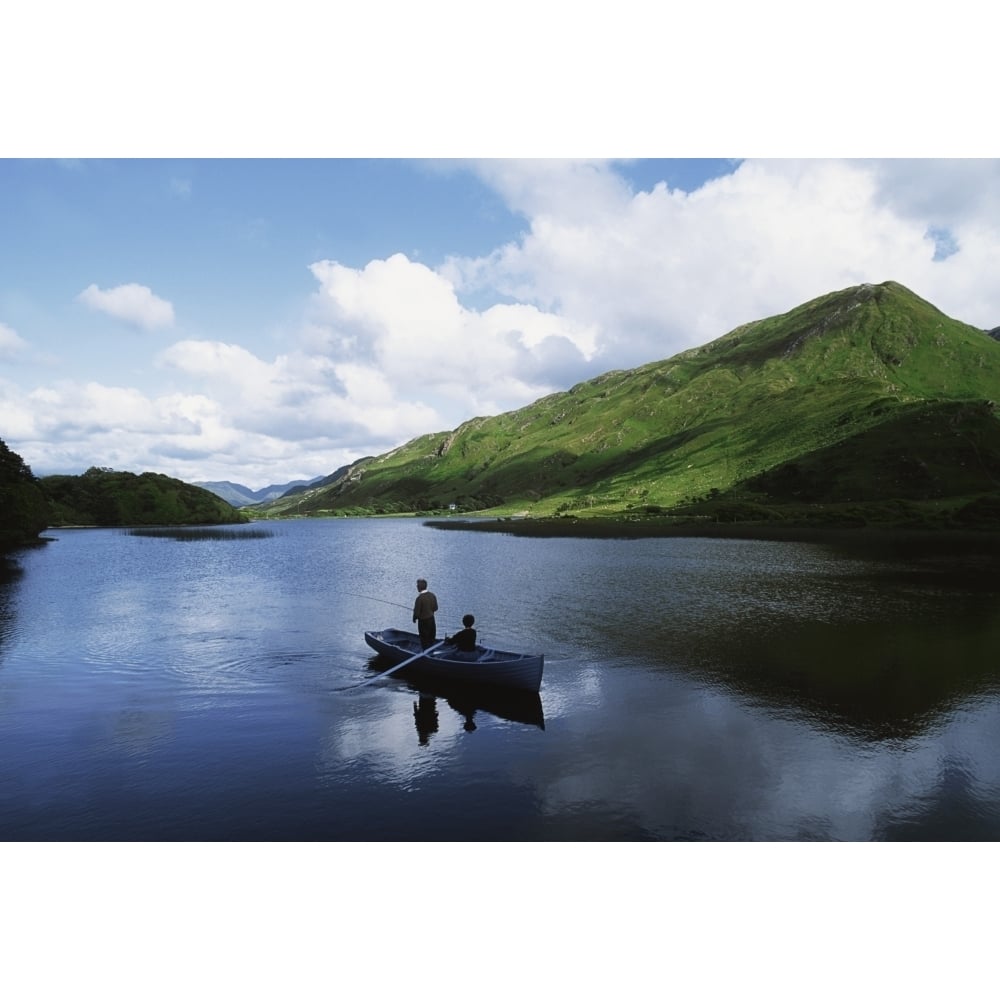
(185, 686)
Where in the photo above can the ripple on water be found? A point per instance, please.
(710, 691)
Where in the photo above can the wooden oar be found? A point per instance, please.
(392, 670)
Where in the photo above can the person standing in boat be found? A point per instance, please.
(465, 640)
(423, 614)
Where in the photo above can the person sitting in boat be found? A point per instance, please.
(464, 640)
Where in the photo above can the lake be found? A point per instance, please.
(189, 686)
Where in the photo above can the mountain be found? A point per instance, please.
(319, 483)
(864, 395)
(242, 496)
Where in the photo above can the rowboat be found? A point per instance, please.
(496, 667)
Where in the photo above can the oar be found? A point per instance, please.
(392, 670)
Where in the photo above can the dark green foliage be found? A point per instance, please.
(862, 395)
(922, 451)
(105, 498)
(983, 512)
(23, 510)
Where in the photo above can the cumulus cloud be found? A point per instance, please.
(69, 426)
(132, 303)
(301, 397)
(11, 345)
(404, 320)
(957, 190)
(654, 272)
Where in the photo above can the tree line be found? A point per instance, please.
(100, 497)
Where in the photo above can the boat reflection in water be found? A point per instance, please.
(468, 700)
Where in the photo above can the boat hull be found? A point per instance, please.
(494, 667)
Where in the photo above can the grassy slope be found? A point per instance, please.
(715, 418)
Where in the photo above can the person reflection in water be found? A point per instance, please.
(464, 640)
(423, 614)
(425, 715)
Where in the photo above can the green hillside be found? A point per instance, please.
(863, 395)
(104, 497)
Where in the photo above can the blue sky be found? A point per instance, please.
(375, 234)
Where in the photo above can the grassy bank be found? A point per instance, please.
(671, 527)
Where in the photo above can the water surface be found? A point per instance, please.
(188, 686)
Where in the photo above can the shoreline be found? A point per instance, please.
(596, 528)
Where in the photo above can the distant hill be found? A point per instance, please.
(301, 500)
(862, 395)
(242, 496)
(104, 497)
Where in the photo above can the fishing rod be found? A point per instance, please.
(394, 604)
(495, 621)
(368, 597)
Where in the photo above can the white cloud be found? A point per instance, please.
(71, 426)
(301, 397)
(11, 345)
(227, 363)
(657, 272)
(570, 190)
(404, 320)
(135, 304)
(957, 191)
